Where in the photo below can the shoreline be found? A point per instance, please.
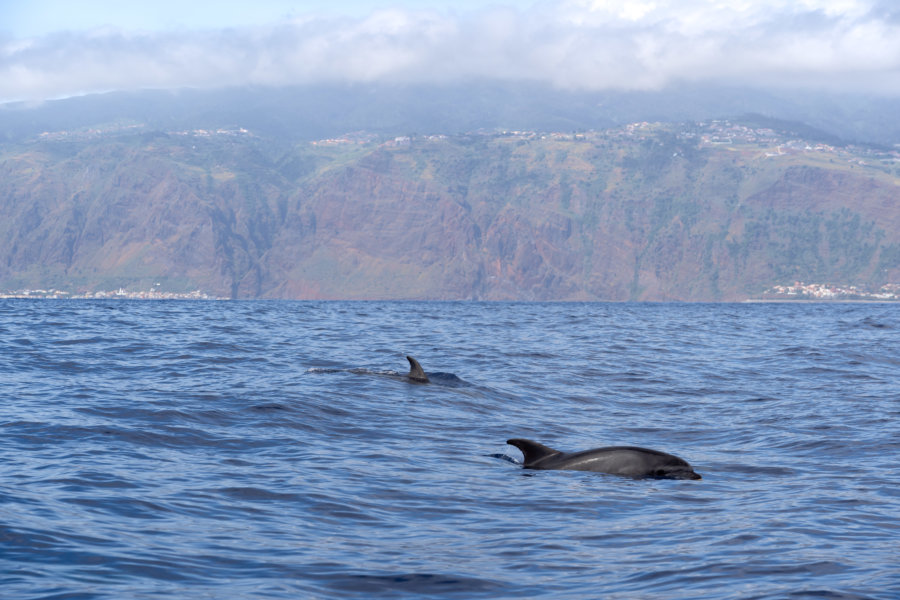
(204, 297)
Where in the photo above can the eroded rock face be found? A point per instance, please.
(488, 220)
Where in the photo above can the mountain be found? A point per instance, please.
(712, 211)
(306, 113)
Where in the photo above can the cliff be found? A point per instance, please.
(647, 213)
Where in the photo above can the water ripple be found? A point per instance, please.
(275, 450)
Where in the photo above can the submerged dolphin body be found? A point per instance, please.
(615, 460)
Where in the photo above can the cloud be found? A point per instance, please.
(849, 45)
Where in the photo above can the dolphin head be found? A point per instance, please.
(674, 470)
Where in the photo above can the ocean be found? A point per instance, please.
(253, 449)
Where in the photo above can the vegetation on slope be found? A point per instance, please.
(645, 212)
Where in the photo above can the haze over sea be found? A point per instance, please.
(263, 450)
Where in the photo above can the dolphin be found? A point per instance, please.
(615, 460)
(416, 373)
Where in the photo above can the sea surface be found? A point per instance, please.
(238, 450)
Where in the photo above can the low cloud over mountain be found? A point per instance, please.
(848, 45)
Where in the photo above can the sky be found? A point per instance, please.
(58, 48)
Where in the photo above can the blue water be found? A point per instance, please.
(264, 450)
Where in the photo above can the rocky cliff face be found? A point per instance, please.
(604, 216)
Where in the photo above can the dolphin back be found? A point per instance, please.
(416, 373)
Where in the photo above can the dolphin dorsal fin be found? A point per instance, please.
(533, 451)
(416, 373)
